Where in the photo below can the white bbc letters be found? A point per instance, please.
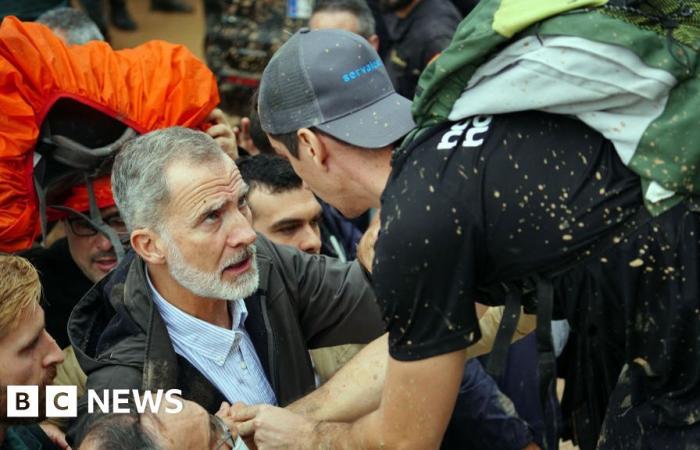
(61, 401)
(22, 401)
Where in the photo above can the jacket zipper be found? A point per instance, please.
(270, 346)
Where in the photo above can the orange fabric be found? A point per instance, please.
(155, 85)
(79, 200)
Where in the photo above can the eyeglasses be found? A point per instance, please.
(82, 227)
(220, 434)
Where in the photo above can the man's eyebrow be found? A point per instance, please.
(35, 336)
(244, 190)
(286, 223)
(211, 207)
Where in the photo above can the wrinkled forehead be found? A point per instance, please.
(191, 185)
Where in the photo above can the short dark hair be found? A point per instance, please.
(257, 134)
(269, 172)
(290, 141)
(358, 8)
(121, 432)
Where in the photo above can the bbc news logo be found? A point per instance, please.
(62, 401)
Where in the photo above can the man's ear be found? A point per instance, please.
(374, 42)
(313, 145)
(148, 246)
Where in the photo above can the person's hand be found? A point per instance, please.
(55, 434)
(226, 412)
(365, 248)
(222, 133)
(245, 141)
(273, 427)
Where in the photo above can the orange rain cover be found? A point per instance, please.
(155, 85)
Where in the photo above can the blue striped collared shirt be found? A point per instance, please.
(226, 358)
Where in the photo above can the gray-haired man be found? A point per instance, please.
(205, 305)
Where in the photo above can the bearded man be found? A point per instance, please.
(205, 305)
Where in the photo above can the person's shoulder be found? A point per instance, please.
(57, 252)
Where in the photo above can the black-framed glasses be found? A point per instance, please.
(220, 434)
(82, 227)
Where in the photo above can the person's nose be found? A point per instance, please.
(241, 232)
(102, 242)
(311, 240)
(54, 354)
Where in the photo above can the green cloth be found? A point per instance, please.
(667, 152)
(27, 437)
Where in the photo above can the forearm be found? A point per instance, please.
(357, 388)
(416, 405)
(363, 434)
(353, 392)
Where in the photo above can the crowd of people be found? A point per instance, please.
(427, 213)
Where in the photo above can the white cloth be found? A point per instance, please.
(226, 358)
(607, 87)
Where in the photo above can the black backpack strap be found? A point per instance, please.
(545, 348)
(511, 313)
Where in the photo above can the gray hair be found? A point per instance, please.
(74, 25)
(138, 176)
(121, 432)
(358, 8)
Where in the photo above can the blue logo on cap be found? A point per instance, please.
(367, 68)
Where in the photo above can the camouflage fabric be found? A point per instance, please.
(241, 37)
(664, 34)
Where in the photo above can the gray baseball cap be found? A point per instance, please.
(332, 80)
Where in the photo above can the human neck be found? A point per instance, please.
(371, 172)
(214, 311)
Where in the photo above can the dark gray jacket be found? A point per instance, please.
(303, 301)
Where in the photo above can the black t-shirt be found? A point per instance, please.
(496, 199)
(488, 199)
(63, 284)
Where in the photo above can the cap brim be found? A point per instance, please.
(375, 126)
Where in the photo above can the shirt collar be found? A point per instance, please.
(197, 335)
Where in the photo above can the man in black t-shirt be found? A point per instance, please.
(468, 205)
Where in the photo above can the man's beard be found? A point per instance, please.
(208, 284)
(387, 6)
(14, 421)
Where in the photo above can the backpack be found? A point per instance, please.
(44, 82)
(651, 117)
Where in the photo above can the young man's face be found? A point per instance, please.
(207, 231)
(28, 356)
(290, 218)
(332, 187)
(92, 251)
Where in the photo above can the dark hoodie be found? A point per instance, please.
(303, 301)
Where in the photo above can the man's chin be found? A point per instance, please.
(18, 421)
(244, 284)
